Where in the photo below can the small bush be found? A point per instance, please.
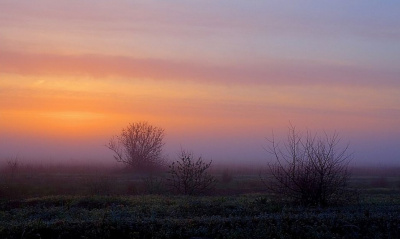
(311, 170)
(189, 176)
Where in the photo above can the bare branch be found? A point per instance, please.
(189, 176)
(139, 145)
(310, 169)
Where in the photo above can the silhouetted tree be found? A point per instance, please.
(139, 145)
(189, 176)
(310, 169)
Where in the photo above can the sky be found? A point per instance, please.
(220, 77)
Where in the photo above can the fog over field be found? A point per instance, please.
(241, 151)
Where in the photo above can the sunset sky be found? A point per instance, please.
(218, 76)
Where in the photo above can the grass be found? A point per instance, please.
(117, 204)
(160, 216)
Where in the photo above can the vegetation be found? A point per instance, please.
(306, 199)
(189, 176)
(247, 216)
(310, 169)
(67, 202)
(139, 145)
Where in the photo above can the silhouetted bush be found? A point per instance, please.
(189, 176)
(310, 169)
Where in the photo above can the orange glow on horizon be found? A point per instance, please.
(83, 106)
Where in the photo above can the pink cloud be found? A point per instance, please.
(313, 18)
(272, 72)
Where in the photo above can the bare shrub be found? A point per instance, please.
(189, 176)
(139, 145)
(310, 169)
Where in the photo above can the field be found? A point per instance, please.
(88, 202)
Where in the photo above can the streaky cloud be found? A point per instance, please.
(283, 72)
(324, 18)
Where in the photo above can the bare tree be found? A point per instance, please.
(139, 145)
(310, 169)
(189, 176)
